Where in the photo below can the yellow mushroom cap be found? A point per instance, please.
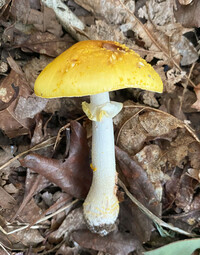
(92, 67)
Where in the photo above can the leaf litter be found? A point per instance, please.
(157, 144)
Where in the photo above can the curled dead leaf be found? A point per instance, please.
(73, 175)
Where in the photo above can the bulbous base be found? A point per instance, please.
(103, 229)
(100, 216)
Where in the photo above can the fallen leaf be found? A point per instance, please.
(141, 188)
(43, 21)
(11, 124)
(72, 222)
(193, 154)
(29, 107)
(138, 125)
(33, 67)
(6, 200)
(178, 151)
(115, 243)
(65, 249)
(26, 237)
(106, 10)
(74, 174)
(187, 50)
(188, 15)
(8, 95)
(46, 43)
(152, 161)
(184, 247)
(185, 193)
(173, 76)
(5, 242)
(196, 105)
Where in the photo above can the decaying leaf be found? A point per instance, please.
(27, 237)
(137, 126)
(188, 15)
(34, 67)
(29, 107)
(73, 221)
(173, 76)
(185, 193)
(114, 243)
(196, 105)
(42, 20)
(11, 124)
(152, 161)
(6, 200)
(106, 7)
(157, 154)
(140, 187)
(74, 174)
(47, 44)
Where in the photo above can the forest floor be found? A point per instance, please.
(45, 144)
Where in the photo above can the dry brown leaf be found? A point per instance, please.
(149, 99)
(196, 105)
(8, 95)
(173, 76)
(65, 249)
(47, 44)
(20, 10)
(72, 222)
(136, 126)
(14, 66)
(188, 15)
(104, 9)
(141, 188)
(6, 200)
(152, 161)
(10, 123)
(29, 107)
(193, 154)
(22, 239)
(33, 67)
(179, 149)
(185, 193)
(5, 242)
(43, 21)
(116, 243)
(74, 174)
(163, 26)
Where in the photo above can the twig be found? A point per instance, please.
(186, 126)
(152, 216)
(37, 222)
(1, 245)
(27, 198)
(67, 18)
(39, 146)
(62, 129)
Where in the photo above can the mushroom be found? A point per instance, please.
(94, 68)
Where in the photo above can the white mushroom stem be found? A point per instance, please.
(101, 205)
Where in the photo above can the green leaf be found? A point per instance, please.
(185, 247)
